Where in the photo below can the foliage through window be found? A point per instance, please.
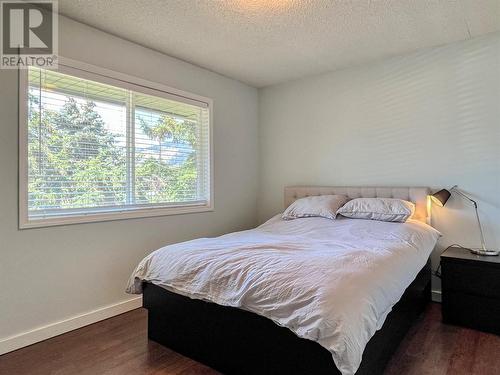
(95, 148)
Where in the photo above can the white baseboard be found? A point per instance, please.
(23, 339)
(436, 296)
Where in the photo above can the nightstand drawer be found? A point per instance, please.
(480, 279)
(471, 311)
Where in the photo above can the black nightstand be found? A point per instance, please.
(471, 289)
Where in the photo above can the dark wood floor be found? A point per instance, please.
(120, 346)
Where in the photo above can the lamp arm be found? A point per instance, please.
(456, 190)
(459, 192)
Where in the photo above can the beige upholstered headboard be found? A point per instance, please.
(417, 195)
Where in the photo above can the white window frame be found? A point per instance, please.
(88, 71)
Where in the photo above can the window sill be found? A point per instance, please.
(26, 223)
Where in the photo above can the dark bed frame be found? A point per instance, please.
(235, 341)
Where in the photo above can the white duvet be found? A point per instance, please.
(330, 281)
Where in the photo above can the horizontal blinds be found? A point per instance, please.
(95, 147)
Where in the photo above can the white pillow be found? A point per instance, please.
(383, 209)
(321, 205)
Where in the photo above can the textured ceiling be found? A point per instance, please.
(264, 42)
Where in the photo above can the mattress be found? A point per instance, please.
(329, 281)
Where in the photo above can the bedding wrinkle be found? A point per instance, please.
(330, 281)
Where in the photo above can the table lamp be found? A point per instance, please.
(441, 197)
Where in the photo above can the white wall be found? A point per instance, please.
(51, 274)
(431, 118)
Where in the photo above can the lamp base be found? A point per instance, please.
(485, 252)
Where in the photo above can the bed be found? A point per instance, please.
(308, 296)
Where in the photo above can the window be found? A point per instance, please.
(95, 145)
